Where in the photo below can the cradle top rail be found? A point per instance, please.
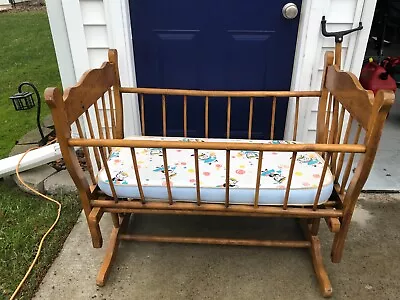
(202, 93)
(348, 148)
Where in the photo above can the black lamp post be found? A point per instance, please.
(24, 100)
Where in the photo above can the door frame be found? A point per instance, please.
(119, 21)
(307, 51)
(119, 16)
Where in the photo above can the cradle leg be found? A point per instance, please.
(322, 275)
(315, 251)
(112, 249)
(339, 241)
(115, 219)
(94, 228)
(315, 226)
(109, 257)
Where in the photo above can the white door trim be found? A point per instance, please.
(365, 16)
(76, 35)
(61, 42)
(304, 61)
(120, 38)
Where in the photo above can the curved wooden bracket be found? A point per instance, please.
(333, 224)
(316, 255)
(112, 250)
(94, 228)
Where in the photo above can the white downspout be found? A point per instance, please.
(33, 159)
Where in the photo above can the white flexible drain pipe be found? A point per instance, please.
(33, 159)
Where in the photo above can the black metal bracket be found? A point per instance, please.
(43, 138)
(339, 34)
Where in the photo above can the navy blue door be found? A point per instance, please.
(213, 45)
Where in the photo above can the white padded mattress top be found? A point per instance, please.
(242, 178)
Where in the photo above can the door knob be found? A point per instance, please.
(290, 11)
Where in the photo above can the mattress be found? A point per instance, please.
(242, 177)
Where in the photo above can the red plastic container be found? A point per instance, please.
(374, 77)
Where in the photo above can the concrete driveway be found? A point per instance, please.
(370, 268)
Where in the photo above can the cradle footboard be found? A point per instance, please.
(344, 101)
(94, 108)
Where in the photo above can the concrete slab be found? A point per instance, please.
(48, 121)
(18, 149)
(35, 177)
(5, 7)
(33, 136)
(60, 183)
(369, 269)
(385, 175)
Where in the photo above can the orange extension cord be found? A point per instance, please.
(47, 232)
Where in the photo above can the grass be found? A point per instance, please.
(27, 54)
(24, 219)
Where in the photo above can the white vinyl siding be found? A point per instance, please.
(93, 27)
(95, 31)
(340, 15)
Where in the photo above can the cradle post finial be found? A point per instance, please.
(51, 95)
(119, 113)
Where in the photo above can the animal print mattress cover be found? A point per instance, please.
(243, 167)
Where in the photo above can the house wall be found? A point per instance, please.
(93, 26)
(340, 15)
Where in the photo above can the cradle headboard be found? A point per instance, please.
(97, 91)
(349, 114)
(102, 83)
(344, 100)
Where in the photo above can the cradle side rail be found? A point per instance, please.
(95, 104)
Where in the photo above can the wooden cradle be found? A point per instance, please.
(341, 99)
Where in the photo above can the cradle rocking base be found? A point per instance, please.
(311, 242)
